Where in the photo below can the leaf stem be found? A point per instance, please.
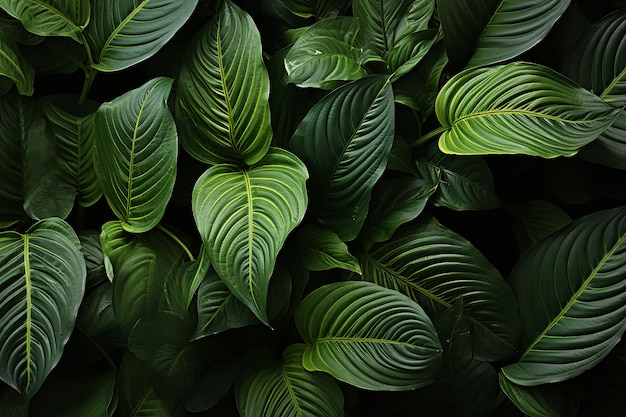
(428, 136)
(90, 76)
(177, 240)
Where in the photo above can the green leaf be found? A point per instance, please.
(321, 250)
(464, 183)
(244, 217)
(345, 141)
(326, 55)
(485, 32)
(137, 396)
(136, 149)
(11, 403)
(96, 319)
(42, 282)
(55, 55)
(409, 51)
(551, 400)
(437, 267)
(267, 387)
(222, 96)
(609, 148)
(15, 67)
(368, 336)
(570, 290)
(51, 17)
(519, 108)
(322, 9)
(535, 220)
(126, 32)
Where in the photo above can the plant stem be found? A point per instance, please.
(428, 136)
(90, 76)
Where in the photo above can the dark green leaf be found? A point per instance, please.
(409, 51)
(11, 403)
(96, 319)
(321, 250)
(535, 220)
(319, 8)
(55, 55)
(550, 400)
(137, 396)
(15, 67)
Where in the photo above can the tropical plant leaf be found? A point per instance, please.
(126, 32)
(551, 400)
(51, 17)
(11, 403)
(55, 55)
(42, 282)
(223, 89)
(345, 141)
(326, 55)
(523, 108)
(609, 148)
(94, 258)
(409, 51)
(96, 319)
(570, 292)
(136, 152)
(321, 250)
(535, 220)
(267, 387)
(368, 336)
(436, 267)
(244, 217)
(15, 67)
(137, 396)
(322, 9)
(485, 32)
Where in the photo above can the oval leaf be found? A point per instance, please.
(267, 387)
(368, 336)
(519, 108)
(136, 151)
(321, 250)
(244, 217)
(15, 67)
(42, 282)
(223, 89)
(571, 292)
(345, 141)
(125, 32)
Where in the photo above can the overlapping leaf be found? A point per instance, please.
(136, 154)
(551, 400)
(535, 220)
(137, 396)
(519, 108)
(318, 8)
(321, 250)
(15, 67)
(267, 387)
(126, 32)
(571, 292)
(42, 281)
(223, 89)
(345, 141)
(244, 217)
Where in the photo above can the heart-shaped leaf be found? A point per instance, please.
(125, 32)
(42, 282)
(267, 387)
(321, 250)
(15, 67)
(223, 89)
(519, 108)
(136, 153)
(368, 336)
(345, 141)
(570, 290)
(244, 217)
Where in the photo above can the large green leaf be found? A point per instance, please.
(437, 267)
(125, 32)
(485, 32)
(51, 17)
(368, 336)
(42, 282)
(345, 141)
(15, 67)
(571, 292)
(326, 55)
(223, 89)
(318, 8)
(519, 108)
(136, 153)
(244, 217)
(267, 387)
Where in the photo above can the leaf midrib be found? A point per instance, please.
(346, 339)
(29, 308)
(121, 26)
(525, 113)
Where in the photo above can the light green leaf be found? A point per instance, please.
(570, 290)
(136, 153)
(519, 108)
(368, 336)
(51, 17)
(485, 32)
(42, 282)
(535, 220)
(244, 217)
(267, 387)
(124, 33)
(345, 141)
(322, 9)
(222, 103)
(321, 250)
(326, 55)
(15, 67)
(437, 267)
(550, 400)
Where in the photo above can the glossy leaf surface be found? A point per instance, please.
(321, 250)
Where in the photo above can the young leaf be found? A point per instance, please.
(345, 141)
(15, 67)
(570, 290)
(322, 9)
(321, 250)
(42, 282)
(223, 89)
(244, 217)
(519, 108)
(136, 153)
(368, 336)
(267, 387)
(125, 32)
